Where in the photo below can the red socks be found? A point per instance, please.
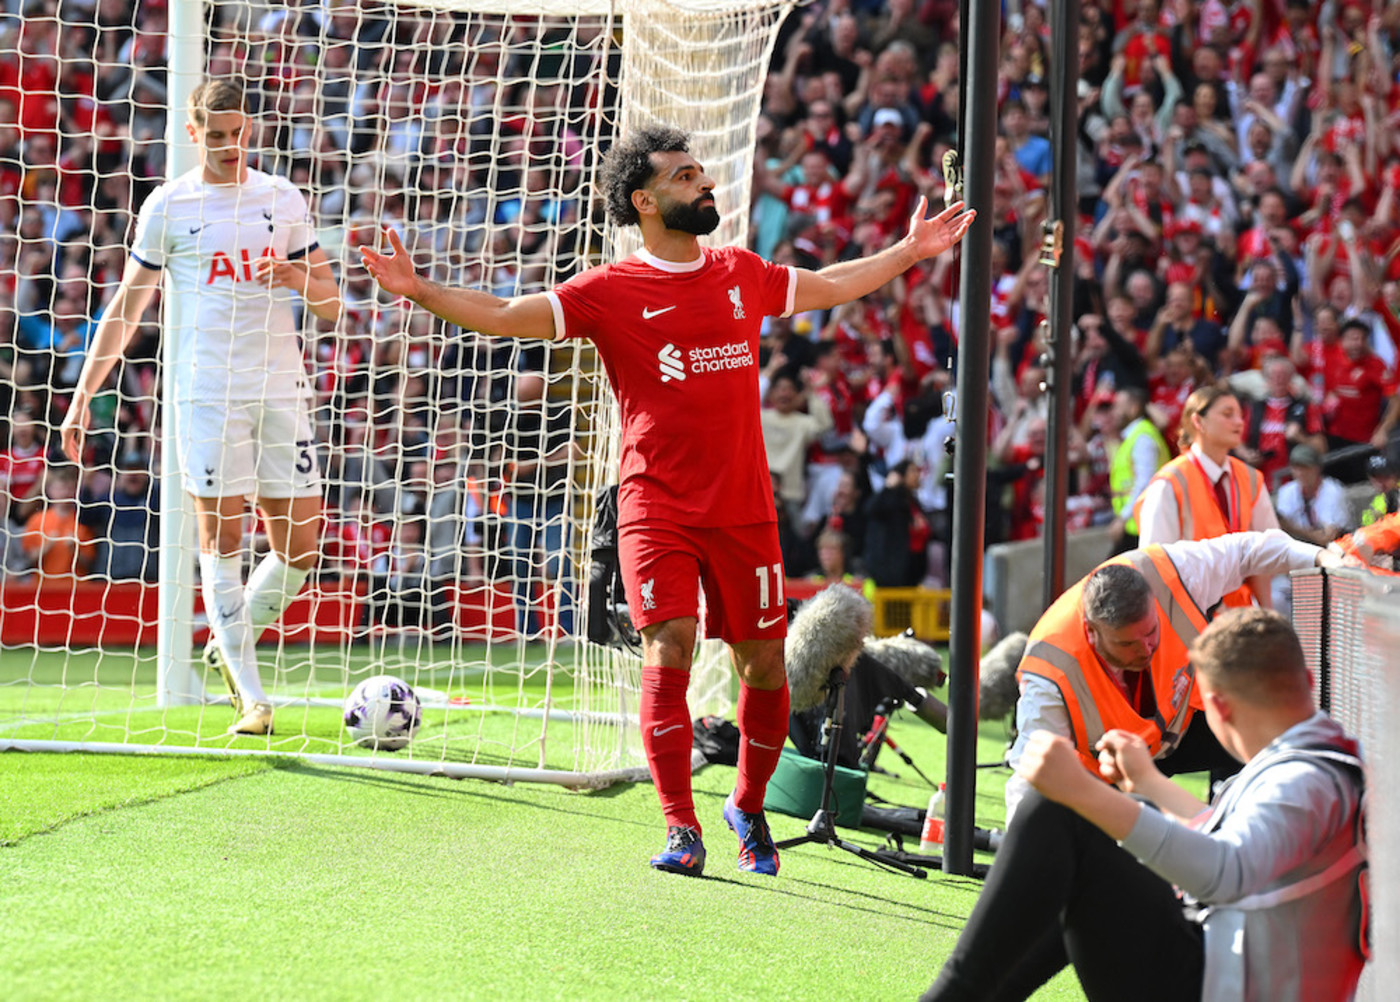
(763, 728)
(667, 738)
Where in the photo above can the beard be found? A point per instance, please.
(693, 218)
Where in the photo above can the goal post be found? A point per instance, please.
(178, 682)
(459, 473)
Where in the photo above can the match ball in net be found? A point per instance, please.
(383, 713)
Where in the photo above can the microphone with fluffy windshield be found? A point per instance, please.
(828, 632)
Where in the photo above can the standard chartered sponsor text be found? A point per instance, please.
(735, 355)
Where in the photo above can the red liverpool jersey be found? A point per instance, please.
(680, 344)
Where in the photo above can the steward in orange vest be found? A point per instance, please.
(1374, 546)
(1155, 702)
(1199, 510)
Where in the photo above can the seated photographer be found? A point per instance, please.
(1271, 901)
(872, 689)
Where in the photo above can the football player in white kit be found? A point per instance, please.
(234, 244)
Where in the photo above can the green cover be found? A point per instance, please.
(796, 789)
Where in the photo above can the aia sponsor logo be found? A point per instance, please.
(235, 269)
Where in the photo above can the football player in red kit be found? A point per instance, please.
(677, 327)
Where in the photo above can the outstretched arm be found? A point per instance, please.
(841, 283)
(523, 316)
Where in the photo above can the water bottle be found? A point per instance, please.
(931, 839)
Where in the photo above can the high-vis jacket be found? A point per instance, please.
(1059, 651)
(1199, 510)
(1122, 474)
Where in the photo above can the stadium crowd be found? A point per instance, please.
(1237, 220)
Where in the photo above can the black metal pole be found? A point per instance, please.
(1057, 251)
(981, 26)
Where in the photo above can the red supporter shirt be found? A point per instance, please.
(1172, 400)
(680, 345)
(828, 203)
(20, 470)
(1272, 438)
(1360, 389)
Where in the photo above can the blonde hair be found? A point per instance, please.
(214, 95)
(1197, 404)
(1253, 654)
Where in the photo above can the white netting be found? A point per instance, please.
(459, 471)
(1349, 623)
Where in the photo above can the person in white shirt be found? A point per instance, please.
(234, 244)
(1310, 507)
(1206, 491)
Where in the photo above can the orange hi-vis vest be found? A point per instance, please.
(1380, 537)
(1199, 511)
(1059, 651)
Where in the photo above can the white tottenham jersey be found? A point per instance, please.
(236, 337)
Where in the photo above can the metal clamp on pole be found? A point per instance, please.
(1049, 337)
(1052, 242)
(952, 178)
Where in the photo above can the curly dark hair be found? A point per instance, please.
(627, 167)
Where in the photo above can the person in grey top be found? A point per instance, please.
(1152, 894)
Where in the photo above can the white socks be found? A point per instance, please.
(271, 588)
(226, 607)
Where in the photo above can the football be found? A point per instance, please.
(383, 713)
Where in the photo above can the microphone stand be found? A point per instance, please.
(879, 737)
(822, 828)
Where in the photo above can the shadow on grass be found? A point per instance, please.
(443, 788)
(860, 904)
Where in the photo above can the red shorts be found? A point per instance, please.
(664, 566)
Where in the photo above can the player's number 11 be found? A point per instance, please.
(770, 582)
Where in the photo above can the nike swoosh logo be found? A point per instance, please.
(657, 732)
(760, 744)
(648, 314)
(195, 229)
(763, 624)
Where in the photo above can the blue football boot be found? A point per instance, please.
(684, 852)
(757, 853)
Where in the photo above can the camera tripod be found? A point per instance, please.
(879, 737)
(822, 828)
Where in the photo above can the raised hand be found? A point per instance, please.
(394, 272)
(933, 236)
(1052, 766)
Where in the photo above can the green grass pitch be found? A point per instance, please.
(161, 877)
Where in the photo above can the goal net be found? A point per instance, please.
(459, 473)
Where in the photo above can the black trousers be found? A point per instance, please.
(1061, 891)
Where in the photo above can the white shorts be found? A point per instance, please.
(262, 449)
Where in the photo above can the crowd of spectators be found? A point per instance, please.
(1236, 220)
